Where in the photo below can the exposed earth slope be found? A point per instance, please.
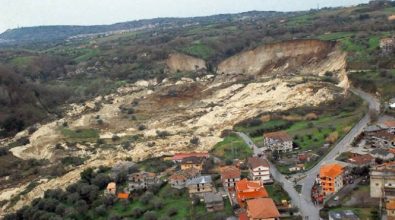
(166, 115)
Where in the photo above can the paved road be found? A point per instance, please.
(303, 200)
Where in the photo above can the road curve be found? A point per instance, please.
(303, 200)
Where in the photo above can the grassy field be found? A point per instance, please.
(170, 201)
(198, 50)
(232, 147)
(80, 133)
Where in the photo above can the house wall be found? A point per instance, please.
(378, 182)
(331, 185)
(274, 144)
(230, 182)
(188, 166)
(200, 188)
(261, 173)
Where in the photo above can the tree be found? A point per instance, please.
(100, 210)
(87, 175)
(150, 215)
(137, 212)
(101, 180)
(81, 206)
(146, 197)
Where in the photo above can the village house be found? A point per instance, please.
(383, 154)
(255, 210)
(382, 181)
(391, 103)
(297, 168)
(278, 141)
(387, 45)
(111, 188)
(342, 215)
(179, 178)
(142, 180)
(331, 178)
(246, 190)
(361, 160)
(192, 162)
(389, 126)
(199, 185)
(229, 176)
(259, 169)
(214, 202)
(381, 139)
(178, 157)
(390, 209)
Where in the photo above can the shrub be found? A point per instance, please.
(150, 215)
(172, 211)
(137, 212)
(195, 140)
(115, 138)
(146, 197)
(142, 127)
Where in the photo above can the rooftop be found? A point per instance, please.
(193, 160)
(212, 198)
(257, 162)
(380, 151)
(278, 135)
(199, 180)
(390, 205)
(255, 210)
(343, 215)
(230, 172)
(180, 156)
(185, 174)
(389, 124)
(331, 170)
(361, 159)
(250, 189)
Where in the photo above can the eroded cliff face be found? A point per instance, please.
(201, 107)
(296, 57)
(181, 62)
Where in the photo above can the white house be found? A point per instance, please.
(278, 141)
(259, 169)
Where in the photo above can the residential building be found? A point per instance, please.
(229, 176)
(331, 178)
(246, 190)
(390, 126)
(278, 141)
(383, 154)
(342, 215)
(387, 45)
(214, 202)
(262, 209)
(382, 181)
(361, 160)
(390, 209)
(178, 157)
(297, 168)
(259, 169)
(200, 184)
(179, 178)
(111, 188)
(142, 180)
(192, 162)
(381, 139)
(391, 103)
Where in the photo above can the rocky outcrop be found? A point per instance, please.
(181, 62)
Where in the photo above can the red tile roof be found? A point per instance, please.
(243, 216)
(278, 135)
(331, 170)
(123, 195)
(246, 189)
(181, 156)
(361, 159)
(390, 124)
(262, 208)
(230, 172)
(390, 205)
(255, 162)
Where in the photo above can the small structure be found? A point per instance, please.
(342, 215)
(246, 190)
(199, 184)
(278, 141)
(229, 176)
(331, 178)
(383, 154)
(297, 168)
(391, 103)
(361, 160)
(262, 209)
(390, 208)
(142, 180)
(387, 45)
(178, 157)
(382, 181)
(214, 202)
(111, 188)
(259, 169)
(192, 162)
(123, 195)
(179, 179)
